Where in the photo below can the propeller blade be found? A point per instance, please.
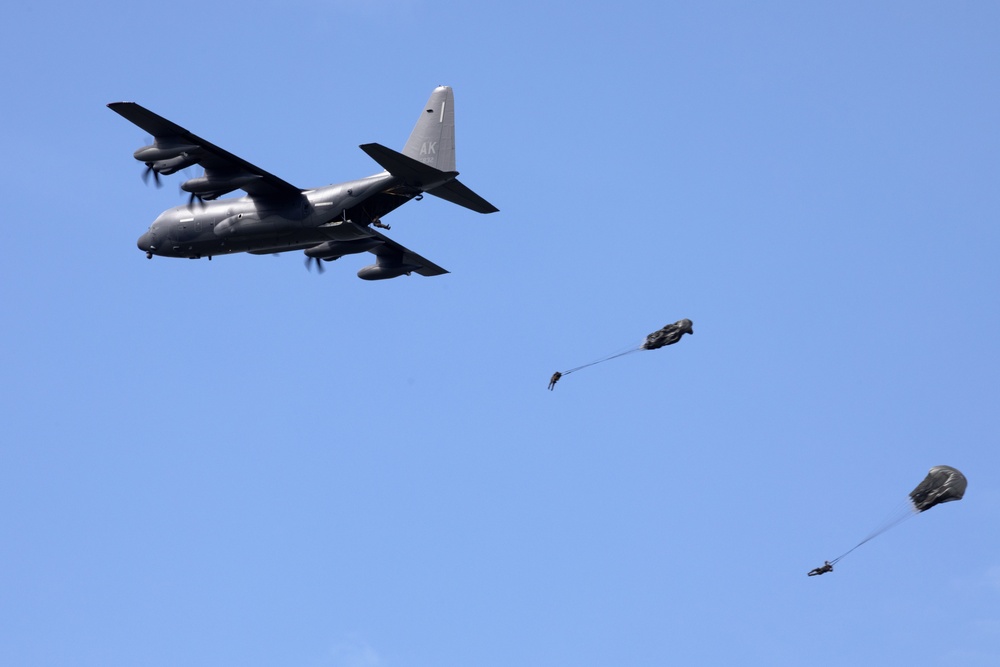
(319, 264)
(156, 175)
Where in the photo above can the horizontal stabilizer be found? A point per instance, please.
(416, 174)
(457, 193)
(413, 172)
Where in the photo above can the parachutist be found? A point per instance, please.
(943, 484)
(381, 225)
(827, 567)
(668, 335)
(555, 378)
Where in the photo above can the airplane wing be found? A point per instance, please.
(395, 254)
(223, 170)
(393, 258)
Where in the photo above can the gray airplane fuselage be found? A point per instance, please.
(248, 224)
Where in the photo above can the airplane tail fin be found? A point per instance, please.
(433, 138)
(428, 159)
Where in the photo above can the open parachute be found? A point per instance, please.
(668, 335)
(943, 484)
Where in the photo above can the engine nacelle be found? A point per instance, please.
(159, 152)
(174, 164)
(334, 249)
(211, 187)
(377, 272)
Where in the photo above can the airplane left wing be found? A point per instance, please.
(174, 148)
(393, 259)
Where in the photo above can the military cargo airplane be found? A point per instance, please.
(275, 216)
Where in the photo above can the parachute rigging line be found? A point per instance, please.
(903, 511)
(608, 358)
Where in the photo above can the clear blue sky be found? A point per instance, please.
(239, 462)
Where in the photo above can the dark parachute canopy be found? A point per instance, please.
(943, 484)
(668, 335)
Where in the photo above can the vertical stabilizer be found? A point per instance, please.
(433, 138)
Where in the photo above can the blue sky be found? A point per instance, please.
(241, 462)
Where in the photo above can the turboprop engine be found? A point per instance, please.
(333, 249)
(159, 151)
(376, 272)
(212, 186)
(165, 157)
(387, 266)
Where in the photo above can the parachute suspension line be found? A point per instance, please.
(901, 513)
(608, 358)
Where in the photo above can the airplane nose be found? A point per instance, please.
(145, 243)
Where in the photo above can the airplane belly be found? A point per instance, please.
(258, 243)
(338, 230)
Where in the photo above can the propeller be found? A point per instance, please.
(149, 167)
(192, 197)
(156, 175)
(319, 264)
